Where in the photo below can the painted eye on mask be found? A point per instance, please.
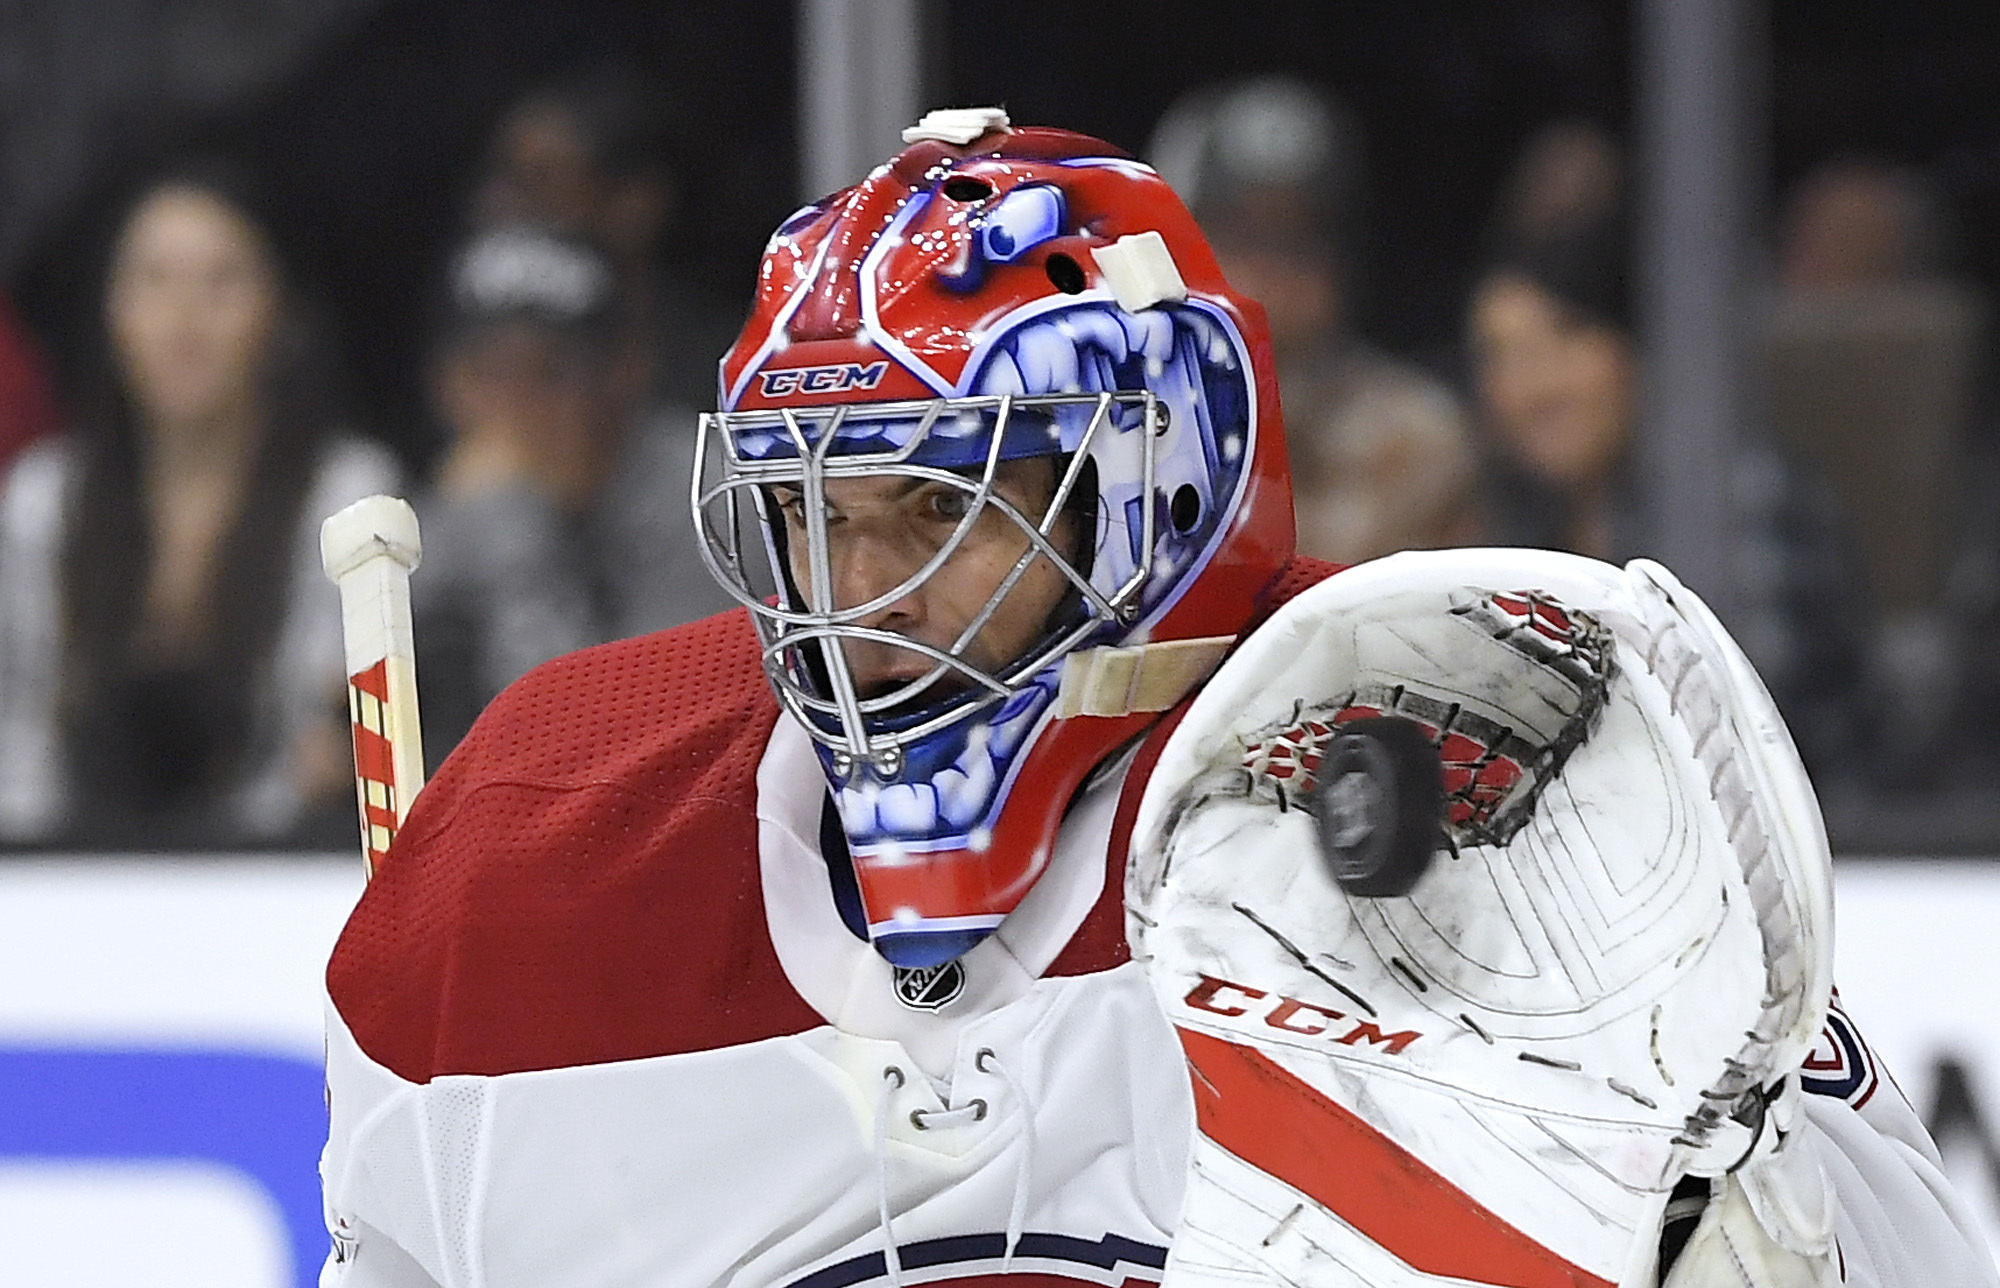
(1021, 221)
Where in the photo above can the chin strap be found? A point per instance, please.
(1769, 1218)
(1141, 677)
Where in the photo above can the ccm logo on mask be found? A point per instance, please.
(1220, 997)
(836, 378)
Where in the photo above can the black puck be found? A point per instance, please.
(1380, 806)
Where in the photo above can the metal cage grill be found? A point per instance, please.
(960, 443)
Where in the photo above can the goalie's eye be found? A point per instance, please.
(946, 504)
(792, 505)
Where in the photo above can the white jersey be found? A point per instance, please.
(954, 1114)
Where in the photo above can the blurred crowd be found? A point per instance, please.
(170, 664)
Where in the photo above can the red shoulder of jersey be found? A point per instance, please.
(1099, 944)
(1297, 576)
(580, 883)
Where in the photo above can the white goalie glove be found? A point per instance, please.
(1615, 954)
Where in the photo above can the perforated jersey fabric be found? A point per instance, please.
(579, 882)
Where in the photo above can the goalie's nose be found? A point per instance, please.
(866, 567)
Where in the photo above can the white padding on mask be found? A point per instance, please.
(960, 125)
(1145, 677)
(1140, 271)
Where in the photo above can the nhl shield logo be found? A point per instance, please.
(928, 988)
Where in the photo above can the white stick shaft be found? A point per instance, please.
(368, 550)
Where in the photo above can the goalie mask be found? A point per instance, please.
(999, 475)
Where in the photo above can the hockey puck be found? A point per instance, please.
(1380, 806)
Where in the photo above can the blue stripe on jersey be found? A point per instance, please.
(1105, 1254)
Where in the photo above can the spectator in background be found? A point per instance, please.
(170, 659)
(27, 400)
(1857, 224)
(559, 518)
(1554, 375)
(1272, 169)
(1876, 350)
(1555, 370)
(581, 168)
(1567, 179)
(592, 155)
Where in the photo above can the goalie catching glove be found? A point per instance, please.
(1601, 983)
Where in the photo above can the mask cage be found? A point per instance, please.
(958, 442)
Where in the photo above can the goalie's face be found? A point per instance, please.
(880, 533)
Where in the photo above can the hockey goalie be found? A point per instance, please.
(1045, 877)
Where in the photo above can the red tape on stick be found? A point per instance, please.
(374, 760)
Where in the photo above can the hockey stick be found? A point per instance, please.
(369, 550)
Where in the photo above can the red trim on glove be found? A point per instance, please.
(1276, 1123)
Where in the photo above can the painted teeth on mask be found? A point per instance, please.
(1094, 327)
(1007, 734)
(1215, 344)
(857, 810)
(965, 790)
(1076, 352)
(907, 809)
(1002, 376)
(1211, 339)
(957, 796)
(1150, 333)
(1047, 360)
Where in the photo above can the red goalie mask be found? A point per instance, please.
(1030, 295)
